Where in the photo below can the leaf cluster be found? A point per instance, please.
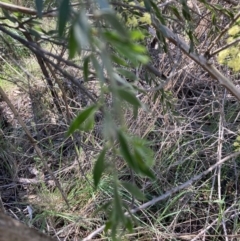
(231, 55)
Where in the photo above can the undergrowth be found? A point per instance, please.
(189, 126)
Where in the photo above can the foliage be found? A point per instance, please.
(106, 46)
(231, 55)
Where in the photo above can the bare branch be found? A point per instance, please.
(214, 42)
(199, 59)
(29, 11)
(225, 47)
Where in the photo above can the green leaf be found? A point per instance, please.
(129, 225)
(142, 146)
(214, 19)
(137, 48)
(126, 73)
(99, 168)
(113, 21)
(72, 44)
(185, 10)
(147, 5)
(108, 225)
(136, 35)
(190, 35)
(158, 13)
(82, 30)
(64, 13)
(35, 33)
(124, 149)
(118, 207)
(219, 201)
(114, 37)
(86, 68)
(8, 16)
(161, 36)
(135, 112)
(176, 12)
(98, 69)
(39, 7)
(144, 59)
(133, 52)
(129, 97)
(88, 124)
(143, 168)
(119, 60)
(134, 190)
(79, 120)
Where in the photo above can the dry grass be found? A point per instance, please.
(190, 126)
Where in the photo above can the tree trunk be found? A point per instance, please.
(13, 230)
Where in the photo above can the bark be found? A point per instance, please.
(13, 230)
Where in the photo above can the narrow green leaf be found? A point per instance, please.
(134, 190)
(114, 37)
(81, 118)
(72, 44)
(158, 13)
(126, 73)
(8, 16)
(137, 35)
(135, 112)
(64, 13)
(161, 36)
(143, 168)
(108, 226)
(176, 12)
(185, 10)
(144, 59)
(99, 168)
(88, 124)
(129, 97)
(118, 207)
(137, 48)
(143, 147)
(98, 68)
(116, 59)
(39, 7)
(147, 5)
(35, 33)
(214, 19)
(190, 35)
(124, 149)
(82, 30)
(129, 224)
(86, 68)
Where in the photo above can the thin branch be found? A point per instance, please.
(37, 50)
(235, 3)
(136, 7)
(224, 47)
(219, 155)
(214, 42)
(33, 143)
(169, 193)
(30, 11)
(199, 59)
